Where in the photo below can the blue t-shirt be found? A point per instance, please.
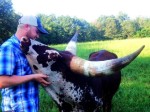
(23, 97)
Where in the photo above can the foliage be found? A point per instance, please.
(145, 32)
(63, 27)
(122, 17)
(8, 19)
(129, 28)
(112, 27)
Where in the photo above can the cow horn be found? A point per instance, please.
(99, 68)
(72, 45)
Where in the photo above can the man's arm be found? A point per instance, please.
(9, 81)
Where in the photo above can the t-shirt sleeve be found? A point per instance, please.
(7, 61)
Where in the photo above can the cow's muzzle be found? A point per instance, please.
(24, 45)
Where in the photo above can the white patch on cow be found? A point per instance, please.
(96, 98)
(61, 86)
(91, 67)
(76, 109)
(86, 65)
(99, 100)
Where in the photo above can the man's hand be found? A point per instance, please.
(42, 79)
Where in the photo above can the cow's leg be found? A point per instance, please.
(107, 104)
(66, 107)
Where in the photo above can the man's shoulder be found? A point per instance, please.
(8, 43)
(7, 47)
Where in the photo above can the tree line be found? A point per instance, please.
(62, 28)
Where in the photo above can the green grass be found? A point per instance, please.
(134, 92)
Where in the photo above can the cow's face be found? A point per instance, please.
(40, 56)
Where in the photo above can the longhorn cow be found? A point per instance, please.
(77, 85)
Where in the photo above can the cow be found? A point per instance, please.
(77, 85)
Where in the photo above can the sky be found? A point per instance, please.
(88, 10)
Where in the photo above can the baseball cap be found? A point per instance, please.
(34, 21)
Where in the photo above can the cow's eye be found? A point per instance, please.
(25, 40)
(35, 67)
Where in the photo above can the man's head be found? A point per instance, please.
(32, 25)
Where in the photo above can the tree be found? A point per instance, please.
(143, 22)
(8, 20)
(129, 28)
(112, 28)
(62, 29)
(122, 17)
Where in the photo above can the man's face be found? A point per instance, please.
(33, 32)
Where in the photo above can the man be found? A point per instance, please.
(19, 87)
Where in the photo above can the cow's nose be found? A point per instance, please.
(25, 39)
(37, 36)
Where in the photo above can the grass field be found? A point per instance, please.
(134, 92)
